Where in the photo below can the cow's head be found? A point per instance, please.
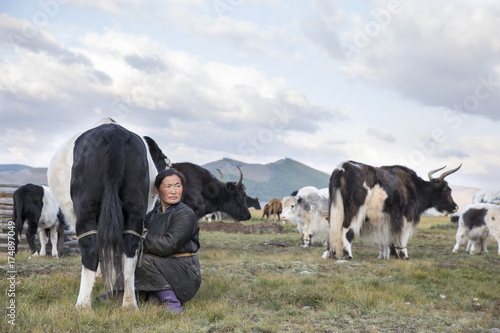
(234, 200)
(290, 206)
(253, 202)
(441, 192)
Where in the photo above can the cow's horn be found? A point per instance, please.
(238, 184)
(447, 173)
(221, 175)
(434, 171)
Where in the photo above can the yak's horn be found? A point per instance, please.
(447, 173)
(434, 171)
(238, 184)
(221, 175)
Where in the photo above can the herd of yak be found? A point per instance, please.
(101, 187)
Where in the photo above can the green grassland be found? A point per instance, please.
(249, 286)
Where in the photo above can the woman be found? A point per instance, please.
(169, 269)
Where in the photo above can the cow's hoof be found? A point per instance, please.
(326, 255)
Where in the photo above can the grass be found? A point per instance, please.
(251, 287)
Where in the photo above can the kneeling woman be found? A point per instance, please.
(170, 270)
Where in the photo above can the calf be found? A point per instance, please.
(475, 224)
(273, 207)
(37, 206)
(309, 210)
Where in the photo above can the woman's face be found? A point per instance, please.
(170, 190)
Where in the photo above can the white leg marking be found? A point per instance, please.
(484, 245)
(467, 248)
(86, 285)
(129, 300)
(53, 240)
(326, 254)
(43, 242)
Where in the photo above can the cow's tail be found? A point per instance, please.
(111, 220)
(63, 222)
(336, 218)
(17, 215)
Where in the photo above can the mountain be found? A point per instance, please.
(265, 181)
(273, 180)
(22, 174)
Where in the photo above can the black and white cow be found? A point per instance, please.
(309, 210)
(382, 204)
(475, 224)
(206, 194)
(103, 179)
(37, 206)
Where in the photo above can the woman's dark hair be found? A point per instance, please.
(169, 172)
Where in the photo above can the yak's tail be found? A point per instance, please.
(111, 220)
(17, 216)
(63, 222)
(336, 217)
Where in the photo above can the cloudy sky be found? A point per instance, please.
(381, 82)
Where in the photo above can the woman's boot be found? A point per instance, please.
(168, 298)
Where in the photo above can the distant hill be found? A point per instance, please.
(273, 180)
(22, 174)
(266, 181)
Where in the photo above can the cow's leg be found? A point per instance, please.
(306, 240)
(402, 239)
(90, 260)
(347, 238)
(473, 246)
(131, 246)
(460, 239)
(485, 249)
(60, 237)
(42, 234)
(53, 240)
(467, 248)
(18, 230)
(383, 251)
(129, 300)
(30, 236)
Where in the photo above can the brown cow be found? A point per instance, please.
(273, 208)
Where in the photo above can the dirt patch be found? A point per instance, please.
(235, 227)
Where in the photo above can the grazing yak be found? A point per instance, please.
(475, 224)
(274, 208)
(383, 204)
(103, 180)
(206, 194)
(37, 206)
(309, 210)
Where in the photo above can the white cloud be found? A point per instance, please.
(132, 78)
(437, 53)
